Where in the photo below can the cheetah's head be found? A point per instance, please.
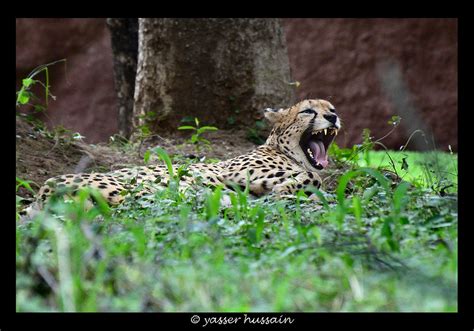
(304, 131)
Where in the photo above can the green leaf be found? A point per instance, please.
(395, 120)
(404, 220)
(186, 127)
(182, 171)
(213, 203)
(165, 157)
(378, 176)
(146, 156)
(100, 202)
(370, 192)
(357, 209)
(144, 129)
(344, 180)
(27, 82)
(317, 234)
(23, 97)
(387, 229)
(25, 184)
(206, 128)
(404, 164)
(400, 197)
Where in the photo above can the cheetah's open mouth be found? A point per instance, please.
(315, 145)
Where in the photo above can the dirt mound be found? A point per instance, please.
(39, 157)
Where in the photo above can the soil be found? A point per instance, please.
(40, 155)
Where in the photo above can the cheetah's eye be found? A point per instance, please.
(308, 111)
(332, 110)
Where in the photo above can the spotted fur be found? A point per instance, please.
(279, 166)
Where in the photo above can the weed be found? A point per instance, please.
(176, 251)
(197, 137)
(24, 95)
(431, 169)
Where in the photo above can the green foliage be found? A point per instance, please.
(368, 246)
(197, 137)
(24, 95)
(60, 134)
(433, 169)
(436, 170)
(145, 130)
(23, 183)
(19, 200)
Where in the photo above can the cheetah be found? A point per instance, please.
(288, 161)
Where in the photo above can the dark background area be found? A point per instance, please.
(333, 59)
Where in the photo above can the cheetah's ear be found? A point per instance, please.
(275, 115)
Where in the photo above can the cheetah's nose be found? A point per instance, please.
(331, 118)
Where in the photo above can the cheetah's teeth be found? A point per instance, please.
(325, 132)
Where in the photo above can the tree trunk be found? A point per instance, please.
(124, 37)
(222, 71)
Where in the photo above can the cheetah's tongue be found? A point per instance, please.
(319, 152)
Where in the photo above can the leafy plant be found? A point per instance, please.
(19, 200)
(146, 129)
(24, 183)
(197, 137)
(371, 247)
(24, 95)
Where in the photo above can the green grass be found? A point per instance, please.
(371, 245)
(419, 167)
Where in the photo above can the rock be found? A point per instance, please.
(337, 59)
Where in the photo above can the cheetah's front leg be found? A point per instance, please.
(292, 184)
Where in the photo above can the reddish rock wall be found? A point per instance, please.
(85, 97)
(337, 59)
(332, 58)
